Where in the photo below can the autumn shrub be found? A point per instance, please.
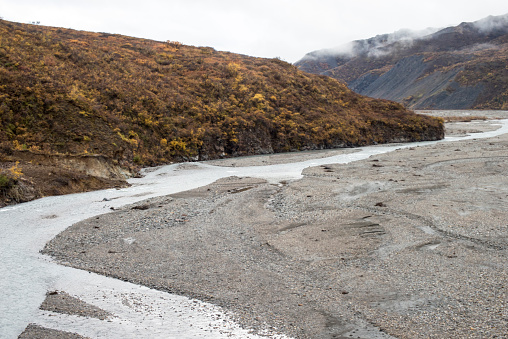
(15, 171)
(5, 182)
(149, 102)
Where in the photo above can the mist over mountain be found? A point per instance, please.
(456, 67)
(375, 46)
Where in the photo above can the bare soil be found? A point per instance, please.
(44, 175)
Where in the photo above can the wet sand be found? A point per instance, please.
(408, 244)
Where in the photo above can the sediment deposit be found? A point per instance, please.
(409, 244)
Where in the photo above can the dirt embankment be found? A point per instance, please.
(27, 176)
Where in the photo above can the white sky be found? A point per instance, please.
(266, 28)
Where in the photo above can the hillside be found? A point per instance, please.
(71, 98)
(460, 67)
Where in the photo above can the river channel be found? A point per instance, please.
(26, 275)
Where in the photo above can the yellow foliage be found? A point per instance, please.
(177, 147)
(258, 97)
(232, 69)
(15, 171)
(19, 147)
(152, 102)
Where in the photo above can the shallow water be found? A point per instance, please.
(26, 275)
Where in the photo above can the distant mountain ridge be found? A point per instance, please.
(459, 67)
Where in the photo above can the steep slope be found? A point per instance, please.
(454, 68)
(142, 102)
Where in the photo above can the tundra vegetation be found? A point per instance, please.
(140, 102)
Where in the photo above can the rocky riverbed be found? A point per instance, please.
(407, 244)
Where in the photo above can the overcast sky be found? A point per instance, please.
(266, 28)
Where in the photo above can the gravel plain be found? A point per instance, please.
(33, 331)
(408, 244)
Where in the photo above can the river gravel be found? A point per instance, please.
(407, 244)
(29, 275)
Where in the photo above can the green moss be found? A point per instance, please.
(5, 182)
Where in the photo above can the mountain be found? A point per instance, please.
(101, 104)
(460, 67)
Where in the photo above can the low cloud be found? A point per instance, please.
(378, 46)
(492, 23)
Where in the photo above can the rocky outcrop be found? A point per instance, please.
(406, 83)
